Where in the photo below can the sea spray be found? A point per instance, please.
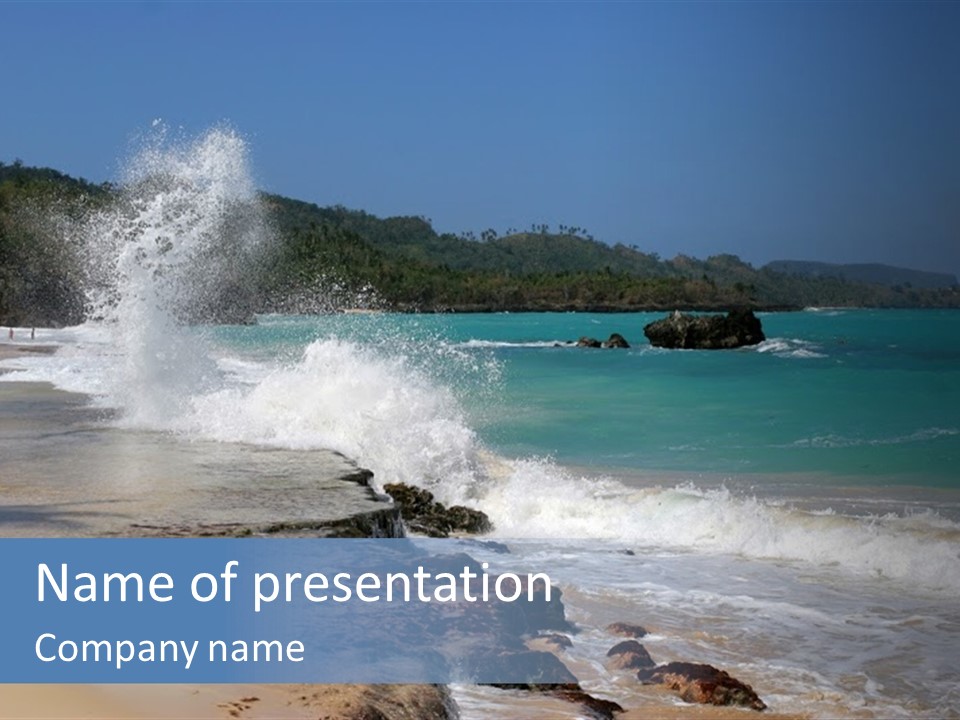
(170, 251)
(398, 407)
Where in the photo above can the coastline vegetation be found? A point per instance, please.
(329, 257)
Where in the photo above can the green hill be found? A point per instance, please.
(329, 257)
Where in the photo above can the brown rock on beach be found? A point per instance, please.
(629, 655)
(594, 707)
(704, 684)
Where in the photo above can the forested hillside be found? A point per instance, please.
(323, 258)
(865, 273)
(39, 281)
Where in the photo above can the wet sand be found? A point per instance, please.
(14, 349)
(182, 702)
(288, 702)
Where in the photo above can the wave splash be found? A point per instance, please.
(388, 411)
(380, 409)
(171, 250)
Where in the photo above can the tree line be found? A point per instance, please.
(324, 258)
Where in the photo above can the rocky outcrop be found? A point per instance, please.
(536, 615)
(381, 523)
(422, 514)
(359, 519)
(704, 684)
(616, 340)
(706, 332)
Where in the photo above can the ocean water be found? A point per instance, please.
(792, 508)
(788, 512)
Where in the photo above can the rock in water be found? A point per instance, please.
(553, 642)
(616, 340)
(626, 630)
(541, 668)
(705, 684)
(706, 332)
(629, 655)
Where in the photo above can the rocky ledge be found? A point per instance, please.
(424, 515)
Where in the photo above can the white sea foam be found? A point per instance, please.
(790, 348)
(840, 441)
(343, 396)
(827, 311)
(813, 648)
(542, 500)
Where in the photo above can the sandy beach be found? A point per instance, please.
(289, 702)
(205, 702)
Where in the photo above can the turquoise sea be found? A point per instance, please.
(870, 396)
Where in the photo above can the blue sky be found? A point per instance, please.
(816, 130)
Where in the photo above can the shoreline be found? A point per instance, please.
(117, 515)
